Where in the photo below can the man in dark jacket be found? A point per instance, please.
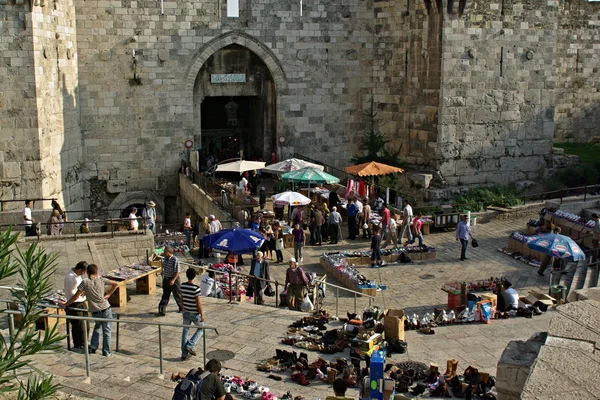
(260, 269)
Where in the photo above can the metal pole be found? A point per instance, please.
(276, 294)
(355, 302)
(204, 346)
(68, 333)
(11, 326)
(118, 316)
(230, 288)
(337, 298)
(86, 348)
(160, 353)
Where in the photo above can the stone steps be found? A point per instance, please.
(118, 377)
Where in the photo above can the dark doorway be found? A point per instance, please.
(230, 125)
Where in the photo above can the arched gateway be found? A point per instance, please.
(234, 81)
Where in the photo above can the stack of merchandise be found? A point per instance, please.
(57, 297)
(347, 272)
(123, 273)
(238, 283)
(178, 246)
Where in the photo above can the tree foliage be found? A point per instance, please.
(478, 198)
(33, 268)
(374, 145)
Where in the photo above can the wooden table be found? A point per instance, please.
(43, 322)
(145, 283)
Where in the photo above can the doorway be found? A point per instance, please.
(231, 126)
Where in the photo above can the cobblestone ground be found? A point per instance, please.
(253, 332)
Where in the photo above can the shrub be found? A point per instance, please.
(480, 197)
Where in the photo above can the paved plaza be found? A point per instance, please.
(253, 332)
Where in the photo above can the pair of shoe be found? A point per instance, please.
(191, 350)
(463, 258)
(540, 273)
(160, 314)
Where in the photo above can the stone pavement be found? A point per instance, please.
(253, 332)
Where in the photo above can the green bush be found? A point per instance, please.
(480, 197)
(582, 175)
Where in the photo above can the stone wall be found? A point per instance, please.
(497, 117)
(577, 72)
(134, 127)
(56, 77)
(406, 75)
(18, 114)
(38, 107)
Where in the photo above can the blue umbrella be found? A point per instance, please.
(236, 240)
(559, 246)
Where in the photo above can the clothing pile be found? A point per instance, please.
(238, 283)
(340, 264)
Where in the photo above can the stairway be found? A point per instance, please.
(580, 275)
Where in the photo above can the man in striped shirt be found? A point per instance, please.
(192, 314)
(170, 282)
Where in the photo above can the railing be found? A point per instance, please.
(72, 227)
(561, 193)
(319, 303)
(11, 316)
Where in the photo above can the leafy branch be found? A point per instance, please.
(34, 268)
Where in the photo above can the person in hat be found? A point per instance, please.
(214, 224)
(295, 283)
(463, 233)
(84, 227)
(149, 215)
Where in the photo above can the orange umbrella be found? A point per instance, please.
(372, 169)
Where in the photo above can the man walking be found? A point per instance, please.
(463, 232)
(407, 217)
(385, 220)
(392, 232)
(187, 229)
(170, 281)
(417, 229)
(259, 269)
(72, 281)
(352, 212)
(366, 219)
(149, 215)
(93, 288)
(28, 220)
(299, 241)
(376, 248)
(192, 314)
(335, 219)
(295, 282)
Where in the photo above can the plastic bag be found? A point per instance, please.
(486, 311)
(307, 305)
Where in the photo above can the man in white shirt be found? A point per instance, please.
(407, 217)
(208, 288)
(392, 232)
(133, 222)
(214, 224)
(72, 281)
(28, 220)
(359, 205)
(243, 184)
(512, 294)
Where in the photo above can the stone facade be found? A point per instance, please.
(103, 94)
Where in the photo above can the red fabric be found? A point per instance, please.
(417, 224)
(362, 189)
(385, 216)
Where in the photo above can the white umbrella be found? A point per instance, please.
(291, 164)
(240, 166)
(290, 198)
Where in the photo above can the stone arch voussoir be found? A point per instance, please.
(242, 39)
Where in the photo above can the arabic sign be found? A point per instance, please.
(227, 78)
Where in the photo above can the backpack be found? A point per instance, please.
(189, 387)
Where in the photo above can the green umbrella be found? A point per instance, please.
(309, 175)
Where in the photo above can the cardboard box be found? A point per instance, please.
(537, 296)
(366, 345)
(155, 261)
(393, 324)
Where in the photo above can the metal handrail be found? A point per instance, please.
(74, 223)
(276, 283)
(12, 313)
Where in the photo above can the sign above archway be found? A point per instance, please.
(228, 78)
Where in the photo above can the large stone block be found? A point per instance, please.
(10, 170)
(116, 186)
